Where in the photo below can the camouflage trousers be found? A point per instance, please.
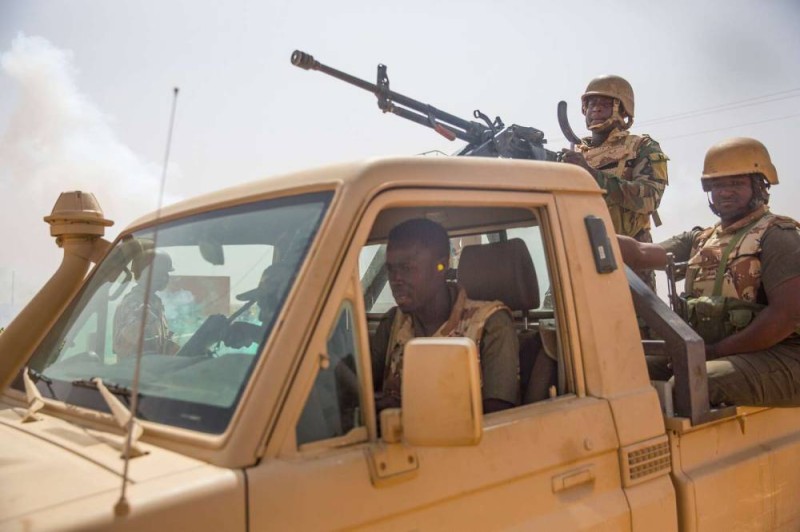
(763, 378)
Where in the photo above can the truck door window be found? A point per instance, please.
(543, 372)
(333, 407)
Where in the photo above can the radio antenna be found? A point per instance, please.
(122, 508)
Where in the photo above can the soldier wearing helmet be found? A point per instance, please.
(142, 308)
(742, 292)
(632, 169)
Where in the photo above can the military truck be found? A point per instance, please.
(281, 432)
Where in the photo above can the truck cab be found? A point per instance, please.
(263, 415)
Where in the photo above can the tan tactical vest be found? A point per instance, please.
(613, 156)
(721, 295)
(742, 276)
(467, 320)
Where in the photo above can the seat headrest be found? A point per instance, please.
(503, 271)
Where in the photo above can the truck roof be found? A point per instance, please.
(360, 180)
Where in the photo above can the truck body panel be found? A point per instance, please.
(287, 435)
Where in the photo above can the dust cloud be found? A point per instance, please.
(57, 140)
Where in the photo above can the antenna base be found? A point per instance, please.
(122, 508)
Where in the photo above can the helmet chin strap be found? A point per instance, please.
(760, 191)
(615, 120)
(711, 205)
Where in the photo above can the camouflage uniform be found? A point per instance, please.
(633, 171)
(128, 319)
(487, 323)
(767, 255)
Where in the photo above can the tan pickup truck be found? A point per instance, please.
(280, 433)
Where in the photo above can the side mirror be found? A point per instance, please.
(441, 392)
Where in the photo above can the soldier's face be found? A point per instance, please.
(413, 276)
(731, 197)
(598, 109)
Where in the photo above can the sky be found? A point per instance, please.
(86, 90)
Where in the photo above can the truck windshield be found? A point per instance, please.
(196, 299)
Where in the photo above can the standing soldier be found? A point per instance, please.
(632, 169)
(141, 309)
(742, 292)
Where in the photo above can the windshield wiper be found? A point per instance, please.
(124, 418)
(116, 389)
(37, 376)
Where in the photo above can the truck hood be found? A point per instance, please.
(51, 462)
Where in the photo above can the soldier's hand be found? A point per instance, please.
(242, 334)
(573, 157)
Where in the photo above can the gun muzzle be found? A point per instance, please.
(304, 60)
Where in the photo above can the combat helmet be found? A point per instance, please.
(738, 156)
(160, 261)
(615, 87)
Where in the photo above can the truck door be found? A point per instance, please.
(552, 464)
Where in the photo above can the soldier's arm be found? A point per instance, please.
(499, 356)
(642, 193)
(642, 256)
(772, 325)
(378, 344)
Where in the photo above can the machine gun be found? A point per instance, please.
(487, 139)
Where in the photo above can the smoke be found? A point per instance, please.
(56, 140)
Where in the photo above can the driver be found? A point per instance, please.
(143, 304)
(273, 282)
(417, 256)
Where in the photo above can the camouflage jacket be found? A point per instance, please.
(127, 321)
(467, 319)
(633, 171)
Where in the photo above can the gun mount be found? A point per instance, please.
(484, 139)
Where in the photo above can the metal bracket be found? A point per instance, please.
(391, 463)
(34, 398)
(384, 103)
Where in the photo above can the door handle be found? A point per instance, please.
(571, 479)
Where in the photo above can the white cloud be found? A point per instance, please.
(57, 140)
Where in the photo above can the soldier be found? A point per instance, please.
(273, 284)
(631, 169)
(138, 305)
(417, 256)
(742, 291)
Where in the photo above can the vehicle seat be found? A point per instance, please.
(504, 271)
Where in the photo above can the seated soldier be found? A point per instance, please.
(742, 282)
(267, 295)
(417, 257)
(142, 304)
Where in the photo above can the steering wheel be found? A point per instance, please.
(210, 332)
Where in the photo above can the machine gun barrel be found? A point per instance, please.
(487, 139)
(425, 115)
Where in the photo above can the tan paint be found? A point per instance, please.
(576, 462)
(78, 224)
